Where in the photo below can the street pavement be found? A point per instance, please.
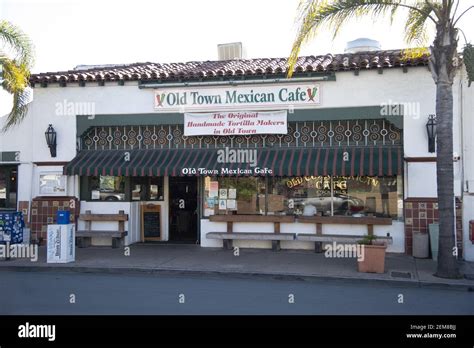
(193, 259)
(62, 292)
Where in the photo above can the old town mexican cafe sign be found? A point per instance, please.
(291, 95)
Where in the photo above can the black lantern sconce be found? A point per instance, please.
(431, 130)
(50, 135)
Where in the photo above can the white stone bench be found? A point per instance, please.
(319, 238)
(343, 239)
(275, 237)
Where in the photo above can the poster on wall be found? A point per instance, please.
(231, 204)
(52, 184)
(208, 212)
(211, 202)
(207, 183)
(232, 193)
(222, 204)
(213, 188)
(223, 194)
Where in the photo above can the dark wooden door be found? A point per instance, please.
(183, 192)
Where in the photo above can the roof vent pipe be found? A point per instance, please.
(362, 45)
(230, 51)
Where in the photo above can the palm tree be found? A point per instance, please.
(15, 63)
(443, 14)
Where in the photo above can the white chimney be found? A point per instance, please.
(362, 45)
(228, 51)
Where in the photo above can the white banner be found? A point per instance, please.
(235, 123)
(248, 97)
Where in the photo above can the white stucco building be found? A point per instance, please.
(355, 148)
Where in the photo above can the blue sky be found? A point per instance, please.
(74, 32)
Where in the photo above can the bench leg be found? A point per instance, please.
(276, 245)
(227, 244)
(318, 247)
(83, 242)
(117, 243)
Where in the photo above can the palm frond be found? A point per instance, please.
(462, 14)
(315, 14)
(436, 6)
(15, 76)
(15, 81)
(414, 53)
(18, 42)
(18, 112)
(416, 26)
(468, 58)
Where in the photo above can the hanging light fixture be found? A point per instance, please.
(50, 135)
(431, 130)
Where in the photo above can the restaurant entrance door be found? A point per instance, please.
(183, 209)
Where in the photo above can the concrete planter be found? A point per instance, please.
(374, 259)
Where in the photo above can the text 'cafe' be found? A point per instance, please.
(195, 152)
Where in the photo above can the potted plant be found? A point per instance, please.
(372, 259)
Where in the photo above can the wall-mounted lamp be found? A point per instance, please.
(431, 130)
(50, 135)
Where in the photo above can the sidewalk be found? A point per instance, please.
(190, 259)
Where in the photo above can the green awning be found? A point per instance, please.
(290, 161)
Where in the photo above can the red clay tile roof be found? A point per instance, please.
(229, 69)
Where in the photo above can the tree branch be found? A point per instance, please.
(432, 64)
(316, 14)
(456, 8)
(414, 8)
(462, 14)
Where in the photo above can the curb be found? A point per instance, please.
(239, 274)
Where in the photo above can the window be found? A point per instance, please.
(298, 194)
(368, 195)
(244, 195)
(309, 195)
(107, 188)
(147, 189)
(8, 187)
(139, 189)
(121, 188)
(339, 195)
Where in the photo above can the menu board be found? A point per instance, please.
(151, 222)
